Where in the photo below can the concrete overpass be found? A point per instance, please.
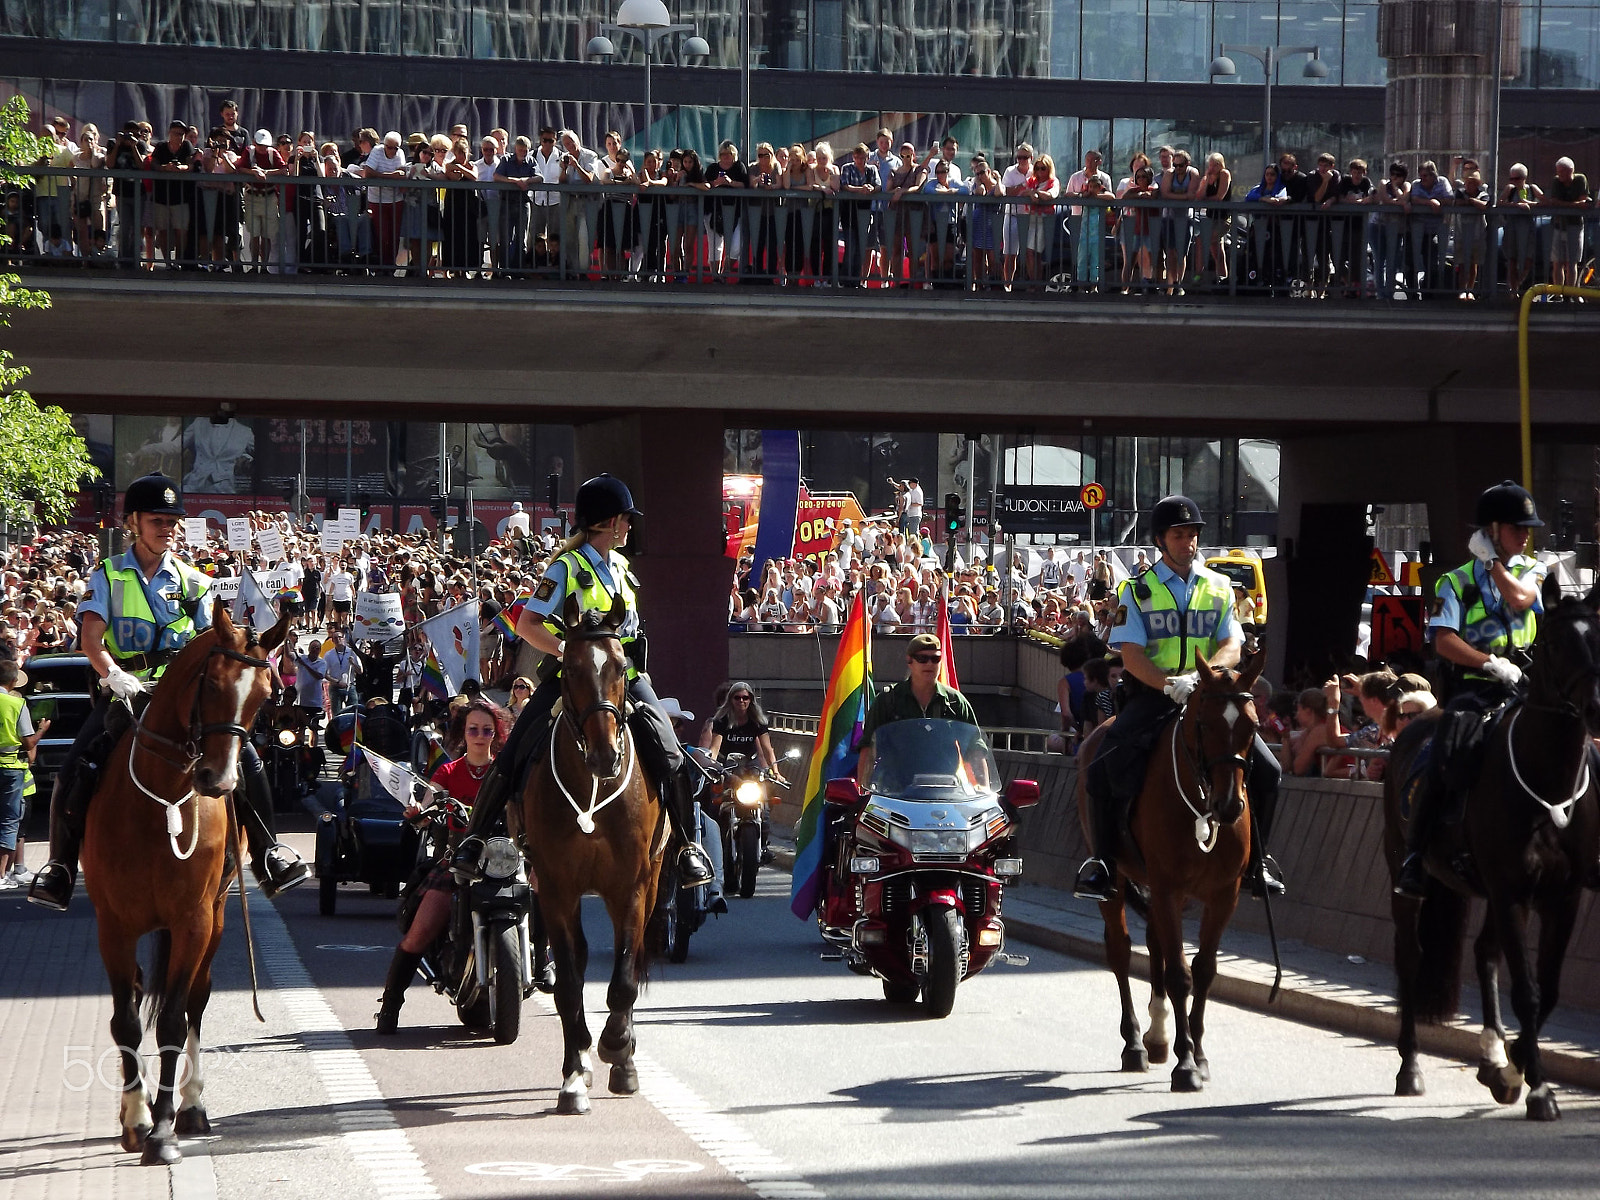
(1372, 403)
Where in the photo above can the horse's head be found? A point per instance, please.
(226, 672)
(594, 684)
(1566, 658)
(1220, 722)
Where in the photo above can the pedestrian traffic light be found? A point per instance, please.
(954, 516)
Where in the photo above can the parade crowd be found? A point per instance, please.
(506, 205)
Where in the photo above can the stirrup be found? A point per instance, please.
(694, 867)
(52, 887)
(1094, 881)
(1413, 878)
(279, 870)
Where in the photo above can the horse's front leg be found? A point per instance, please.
(617, 1039)
(1158, 1039)
(1166, 926)
(1492, 1059)
(1511, 922)
(172, 1035)
(1557, 916)
(568, 948)
(1119, 956)
(122, 968)
(192, 1120)
(1218, 912)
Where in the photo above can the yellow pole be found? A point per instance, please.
(1538, 289)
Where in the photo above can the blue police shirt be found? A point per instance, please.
(165, 588)
(551, 594)
(1132, 631)
(1449, 614)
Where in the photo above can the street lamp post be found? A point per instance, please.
(1269, 57)
(649, 21)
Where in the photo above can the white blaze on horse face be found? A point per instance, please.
(1230, 714)
(193, 1083)
(228, 777)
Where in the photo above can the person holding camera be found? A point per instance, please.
(579, 165)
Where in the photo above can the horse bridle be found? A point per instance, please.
(190, 747)
(601, 705)
(1198, 760)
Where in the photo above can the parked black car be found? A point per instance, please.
(60, 690)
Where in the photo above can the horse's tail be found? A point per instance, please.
(155, 979)
(1441, 925)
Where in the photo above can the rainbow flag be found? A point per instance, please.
(844, 711)
(433, 680)
(947, 664)
(506, 619)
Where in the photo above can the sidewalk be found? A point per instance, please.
(1348, 994)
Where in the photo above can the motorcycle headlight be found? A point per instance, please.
(750, 794)
(1008, 866)
(940, 841)
(865, 864)
(500, 859)
(287, 737)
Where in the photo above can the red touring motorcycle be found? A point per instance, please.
(916, 865)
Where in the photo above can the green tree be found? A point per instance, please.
(45, 463)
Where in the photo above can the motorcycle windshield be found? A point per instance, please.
(932, 760)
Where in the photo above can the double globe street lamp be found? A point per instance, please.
(649, 21)
(1269, 57)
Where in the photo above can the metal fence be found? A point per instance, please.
(562, 234)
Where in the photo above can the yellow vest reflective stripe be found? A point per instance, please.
(595, 595)
(11, 706)
(131, 626)
(1172, 635)
(1481, 629)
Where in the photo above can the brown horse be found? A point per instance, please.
(593, 822)
(1190, 829)
(154, 861)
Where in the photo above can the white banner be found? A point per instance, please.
(332, 537)
(350, 522)
(226, 589)
(195, 531)
(378, 615)
(238, 533)
(253, 605)
(454, 636)
(270, 541)
(400, 782)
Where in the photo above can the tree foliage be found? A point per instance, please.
(43, 461)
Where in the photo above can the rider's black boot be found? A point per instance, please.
(1097, 878)
(69, 806)
(1263, 874)
(1413, 878)
(402, 970)
(544, 963)
(276, 867)
(694, 868)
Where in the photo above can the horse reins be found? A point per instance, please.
(1206, 827)
(1561, 811)
(625, 738)
(189, 748)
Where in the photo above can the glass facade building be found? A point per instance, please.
(1118, 75)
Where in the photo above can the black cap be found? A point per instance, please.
(153, 494)
(1174, 510)
(1508, 504)
(600, 499)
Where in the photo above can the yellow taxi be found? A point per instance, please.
(1244, 567)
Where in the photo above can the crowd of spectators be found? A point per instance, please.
(882, 215)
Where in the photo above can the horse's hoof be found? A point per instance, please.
(135, 1138)
(572, 1104)
(161, 1152)
(1135, 1059)
(1409, 1082)
(616, 1055)
(1542, 1104)
(1159, 1052)
(192, 1122)
(624, 1079)
(1501, 1080)
(1187, 1079)
(1204, 1065)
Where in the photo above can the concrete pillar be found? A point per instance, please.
(672, 462)
(1440, 92)
(1442, 466)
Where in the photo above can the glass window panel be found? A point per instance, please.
(1528, 52)
(715, 20)
(780, 31)
(1180, 41)
(506, 29)
(1317, 23)
(81, 101)
(1127, 139)
(227, 23)
(434, 28)
(1363, 65)
(1092, 135)
(1030, 48)
(82, 20)
(1064, 18)
(984, 38)
(827, 35)
(1569, 48)
(1244, 23)
(1113, 39)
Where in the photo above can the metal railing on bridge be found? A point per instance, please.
(950, 241)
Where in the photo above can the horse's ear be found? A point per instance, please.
(618, 613)
(273, 638)
(1251, 668)
(220, 617)
(571, 613)
(1550, 591)
(1592, 600)
(1203, 668)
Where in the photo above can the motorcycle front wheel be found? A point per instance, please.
(680, 925)
(748, 838)
(944, 965)
(507, 983)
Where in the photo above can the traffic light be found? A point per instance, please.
(1566, 530)
(365, 500)
(438, 506)
(954, 514)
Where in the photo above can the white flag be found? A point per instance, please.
(454, 636)
(252, 606)
(404, 784)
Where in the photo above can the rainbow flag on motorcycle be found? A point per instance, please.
(844, 712)
(433, 681)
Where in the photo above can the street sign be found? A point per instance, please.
(1380, 575)
(1411, 573)
(1092, 495)
(1042, 509)
(1396, 626)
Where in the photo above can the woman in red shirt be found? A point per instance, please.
(480, 727)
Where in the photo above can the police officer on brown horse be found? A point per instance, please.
(142, 607)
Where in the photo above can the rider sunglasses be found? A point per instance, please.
(926, 658)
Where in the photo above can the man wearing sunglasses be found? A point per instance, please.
(919, 694)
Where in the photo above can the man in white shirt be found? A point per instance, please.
(338, 663)
(545, 233)
(387, 161)
(1050, 571)
(517, 523)
(341, 595)
(1012, 183)
(913, 526)
(579, 164)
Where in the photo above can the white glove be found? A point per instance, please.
(1180, 686)
(1482, 547)
(123, 685)
(1502, 670)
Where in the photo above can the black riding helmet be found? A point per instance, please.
(1174, 510)
(1508, 504)
(600, 499)
(153, 494)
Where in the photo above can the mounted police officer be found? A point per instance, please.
(141, 608)
(1166, 616)
(1485, 617)
(589, 568)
